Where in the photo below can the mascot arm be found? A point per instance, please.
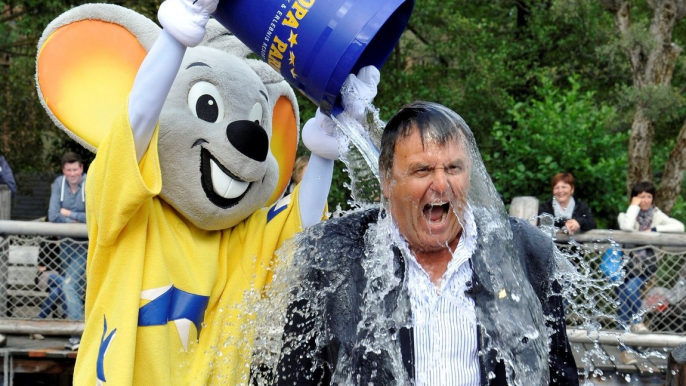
(184, 26)
(314, 189)
(319, 135)
(151, 87)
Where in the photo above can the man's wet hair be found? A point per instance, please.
(434, 122)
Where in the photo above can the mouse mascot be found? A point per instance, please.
(195, 144)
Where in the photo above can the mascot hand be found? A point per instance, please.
(185, 20)
(319, 135)
(360, 90)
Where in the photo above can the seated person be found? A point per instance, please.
(570, 214)
(642, 216)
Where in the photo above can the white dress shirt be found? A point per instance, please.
(444, 319)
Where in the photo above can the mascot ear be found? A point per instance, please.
(284, 141)
(285, 118)
(87, 61)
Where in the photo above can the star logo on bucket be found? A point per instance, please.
(293, 73)
(291, 61)
(293, 39)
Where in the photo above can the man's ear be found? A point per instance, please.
(385, 184)
(87, 61)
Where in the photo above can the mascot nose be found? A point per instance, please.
(249, 138)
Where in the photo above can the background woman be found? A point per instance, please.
(569, 213)
(642, 216)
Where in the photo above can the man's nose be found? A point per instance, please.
(440, 181)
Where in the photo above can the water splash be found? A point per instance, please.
(297, 309)
(359, 148)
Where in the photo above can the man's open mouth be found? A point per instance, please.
(436, 213)
(221, 187)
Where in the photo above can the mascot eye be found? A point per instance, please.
(256, 114)
(205, 102)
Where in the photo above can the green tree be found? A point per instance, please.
(648, 35)
(561, 130)
(28, 138)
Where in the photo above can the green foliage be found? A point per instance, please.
(481, 58)
(28, 138)
(561, 130)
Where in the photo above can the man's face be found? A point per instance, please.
(427, 191)
(73, 171)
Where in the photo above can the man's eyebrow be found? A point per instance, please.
(420, 165)
(196, 64)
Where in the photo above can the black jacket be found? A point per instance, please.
(582, 214)
(337, 314)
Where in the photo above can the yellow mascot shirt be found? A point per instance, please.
(165, 300)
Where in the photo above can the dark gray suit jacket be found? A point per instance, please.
(337, 314)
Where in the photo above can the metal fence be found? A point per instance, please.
(35, 299)
(41, 273)
(625, 278)
(42, 277)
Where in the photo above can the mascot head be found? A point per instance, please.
(228, 131)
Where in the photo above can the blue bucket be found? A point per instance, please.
(315, 44)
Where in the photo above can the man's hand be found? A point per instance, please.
(65, 212)
(185, 20)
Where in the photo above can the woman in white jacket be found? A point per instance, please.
(641, 216)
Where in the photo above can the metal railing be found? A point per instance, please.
(42, 277)
(628, 277)
(26, 245)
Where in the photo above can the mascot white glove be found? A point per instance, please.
(359, 91)
(319, 133)
(185, 20)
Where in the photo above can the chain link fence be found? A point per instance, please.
(44, 276)
(618, 286)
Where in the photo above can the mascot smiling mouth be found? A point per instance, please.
(221, 186)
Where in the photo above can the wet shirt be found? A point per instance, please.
(444, 319)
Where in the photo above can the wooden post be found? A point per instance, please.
(676, 366)
(525, 207)
(5, 202)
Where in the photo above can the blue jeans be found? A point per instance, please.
(74, 256)
(55, 293)
(629, 295)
